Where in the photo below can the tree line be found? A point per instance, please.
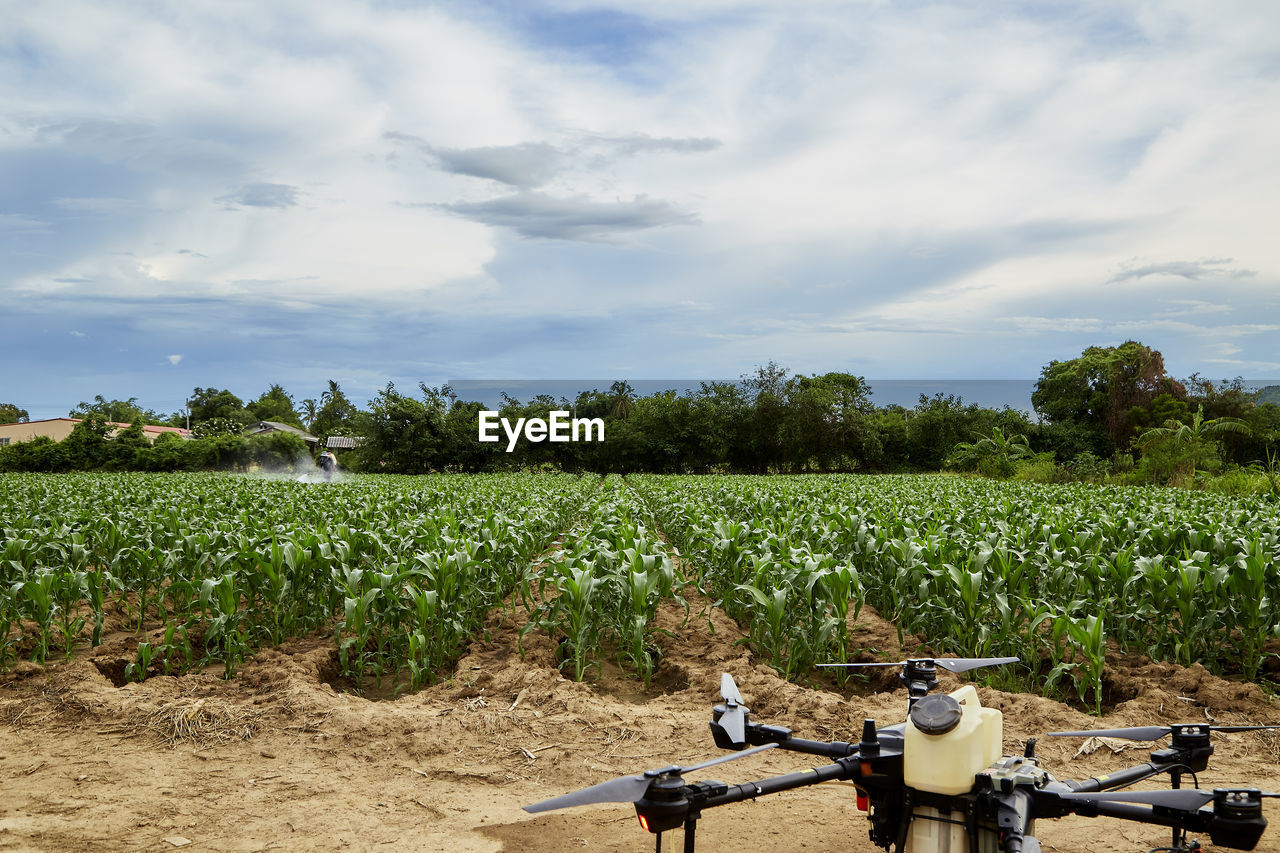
(1098, 414)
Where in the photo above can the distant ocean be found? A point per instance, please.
(988, 393)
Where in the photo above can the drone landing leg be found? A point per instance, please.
(690, 828)
(1179, 836)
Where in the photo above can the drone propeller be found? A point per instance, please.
(1183, 799)
(956, 665)
(629, 789)
(1153, 732)
(734, 719)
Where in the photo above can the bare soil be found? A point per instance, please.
(277, 759)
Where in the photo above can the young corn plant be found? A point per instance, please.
(356, 627)
(1253, 602)
(39, 590)
(572, 612)
(1082, 654)
(138, 669)
(94, 585)
(220, 600)
(66, 586)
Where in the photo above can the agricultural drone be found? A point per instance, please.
(938, 783)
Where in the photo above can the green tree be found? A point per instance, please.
(336, 412)
(993, 456)
(115, 411)
(622, 400)
(207, 404)
(766, 392)
(87, 446)
(216, 426)
(309, 411)
(275, 404)
(124, 448)
(826, 425)
(935, 426)
(1097, 393)
(403, 435)
(11, 414)
(1184, 448)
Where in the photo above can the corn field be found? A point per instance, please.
(400, 572)
(983, 568)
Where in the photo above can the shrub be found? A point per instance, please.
(275, 450)
(1039, 469)
(39, 454)
(1087, 467)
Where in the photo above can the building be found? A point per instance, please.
(260, 427)
(59, 428)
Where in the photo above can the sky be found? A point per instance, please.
(234, 194)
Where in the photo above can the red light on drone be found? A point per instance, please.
(644, 822)
(863, 802)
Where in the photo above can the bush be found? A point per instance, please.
(1176, 462)
(122, 451)
(1039, 469)
(39, 454)
(276, 451)
(1089, 468)
(1238, 482)
(169, 453)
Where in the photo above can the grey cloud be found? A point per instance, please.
(1193, 270)
(278, 196)
(539, 215)
(532, 164)
(527, 165)
(94, 132)
(642, 143)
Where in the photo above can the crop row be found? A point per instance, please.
(602, 586)
(976, 567)
(401, 570)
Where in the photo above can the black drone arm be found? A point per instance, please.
(845, 768)
(666, 807)
(1233, 820)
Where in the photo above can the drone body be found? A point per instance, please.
(937, 783)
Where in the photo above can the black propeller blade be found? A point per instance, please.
(1152, 732)
(629, 789)
(734, 719)
(1183, 799)
(956, 665)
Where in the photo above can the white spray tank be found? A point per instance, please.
(949, 739)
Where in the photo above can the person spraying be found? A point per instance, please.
(328, 464)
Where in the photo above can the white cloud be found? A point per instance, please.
(913, 174)
(174, 359)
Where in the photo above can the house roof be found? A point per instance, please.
(155, 428)
(275, 426)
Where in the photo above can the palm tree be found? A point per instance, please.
(1199, 428)
(309, 410)
(994, 455)
(623, 400)
(1188, 436)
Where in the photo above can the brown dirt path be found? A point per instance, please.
(86, 764)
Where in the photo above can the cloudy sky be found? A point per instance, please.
(232, 194)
